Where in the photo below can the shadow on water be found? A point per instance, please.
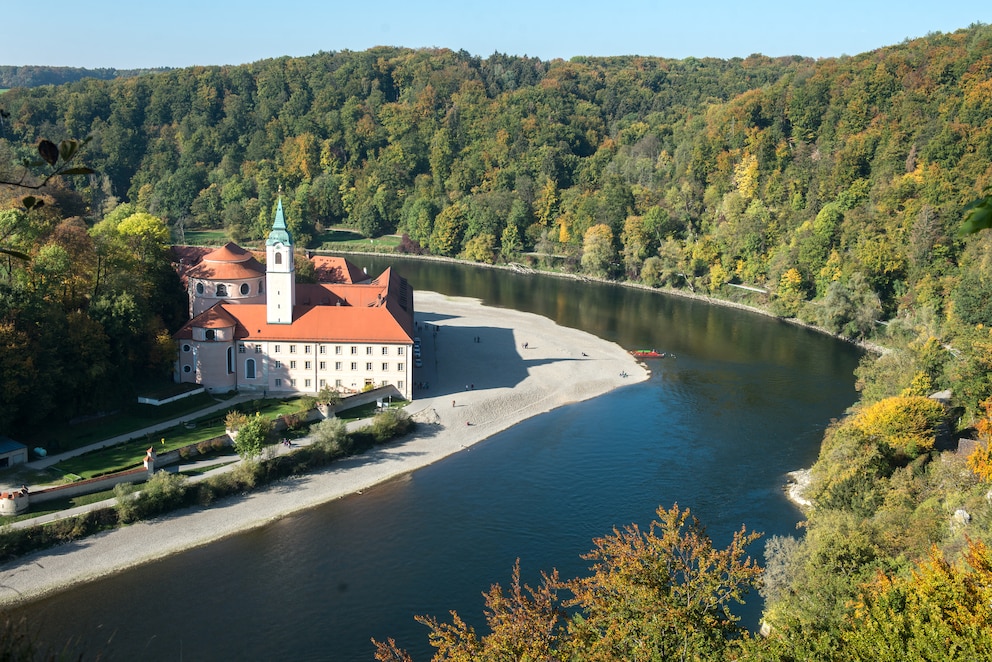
(715, 430)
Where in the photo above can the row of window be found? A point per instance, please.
(338, 349)
(323, 382)
(307, 365)
(250, 373)
(210, 334)
(221, 290)
(338, 365)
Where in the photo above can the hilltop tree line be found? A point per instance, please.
(35, 76)
(830, 190)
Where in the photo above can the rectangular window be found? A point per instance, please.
(278, 382)
(258, 349)
(323, 349)
(275, 350)
(368, 350)
(337, 365)
(385, 367)
(323, 365)
(354, 366)
(399, 366)
(306, 383)
(337, 383)
(354, 350)
(385, 351)
(278, 364)
(399, 351)
(242, 349)
(292, 382)
(323, 383)
(306, 349)
(337, 349)
(307, 365)
(399, 384)
(368, 367)
(292, 365)
(292, 349)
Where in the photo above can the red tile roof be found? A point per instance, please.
(229, 262)
(381, 311)
(332, 269)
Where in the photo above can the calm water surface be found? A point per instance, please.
(715, 430)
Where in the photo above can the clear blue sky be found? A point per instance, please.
(179, 33)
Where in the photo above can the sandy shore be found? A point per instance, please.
(482, 380)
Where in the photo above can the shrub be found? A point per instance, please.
(163, 492)
(389, 424)
(294, 421)
(330, 435)
(235, 419)
(127, 509)
(252, 436)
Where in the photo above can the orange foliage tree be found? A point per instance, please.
(980, 459)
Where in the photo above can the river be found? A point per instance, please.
(715, 429)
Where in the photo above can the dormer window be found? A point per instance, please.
(222, 290)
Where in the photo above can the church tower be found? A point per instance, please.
(280, 272)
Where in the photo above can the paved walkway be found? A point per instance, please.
(227, 463)
(45, 462)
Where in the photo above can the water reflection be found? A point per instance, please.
(715, 430)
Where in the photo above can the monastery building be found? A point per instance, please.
(253, 328)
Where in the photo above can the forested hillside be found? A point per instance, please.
(33, 76)
(833, 190)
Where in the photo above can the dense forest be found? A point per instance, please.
(828, 190)
(34, 76)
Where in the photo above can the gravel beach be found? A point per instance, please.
(485, 369)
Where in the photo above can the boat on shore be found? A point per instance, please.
(648, 354)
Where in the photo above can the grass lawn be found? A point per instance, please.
(206, 237)
(58, 505)
(366, 411)
(343, 239)
(63, 438)
(131, 454)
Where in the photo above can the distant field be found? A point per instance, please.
(206, 237)
(334, 239)
(342, 239)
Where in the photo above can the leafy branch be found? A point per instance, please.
(58, 159)
(977, 216)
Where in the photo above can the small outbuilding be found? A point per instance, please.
(12, 452)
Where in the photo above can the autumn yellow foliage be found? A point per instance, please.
(907, 424)
(980, 460)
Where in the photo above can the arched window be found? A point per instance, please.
(261, 287)
(210, 334)
(222, 290)
(245, 289)
(199, 288)
(230, 360)
(250, 369)
(278, 258)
